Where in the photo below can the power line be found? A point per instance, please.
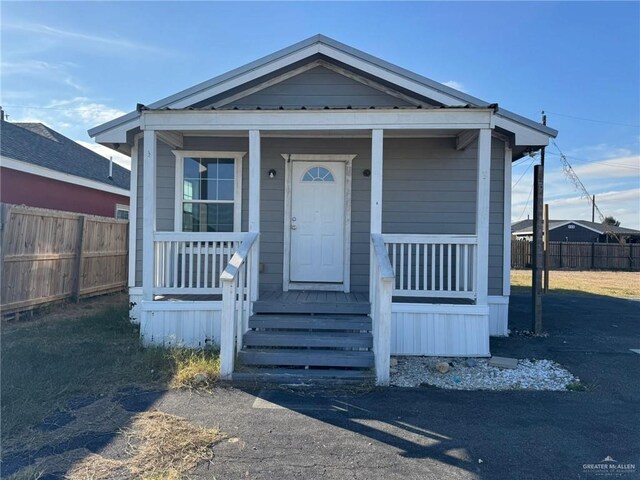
(526, 204)
(523, 173)
(608, 162)
(593, 120)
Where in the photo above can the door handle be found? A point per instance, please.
(293, 227)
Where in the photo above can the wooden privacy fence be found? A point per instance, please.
(48, 255)
(580, 256)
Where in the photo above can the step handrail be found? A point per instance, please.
(236, 282)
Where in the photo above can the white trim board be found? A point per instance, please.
(348, 160)
(179, 184)
(392, 119)
(32, 169)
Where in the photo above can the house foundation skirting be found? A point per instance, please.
(135, 304)
(416, 329)
(439, 330)
(183, 323)
(498, 316)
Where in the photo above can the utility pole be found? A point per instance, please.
(537, 247)
(593, 209)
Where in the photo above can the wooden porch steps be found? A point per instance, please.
(322, 339)
(302, 376)
(301, 342)
(310, 322)
(328, 308)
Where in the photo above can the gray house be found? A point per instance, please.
(318, 210)
(577, 231)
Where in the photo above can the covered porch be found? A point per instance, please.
(418, 287)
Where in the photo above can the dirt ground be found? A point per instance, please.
(611, 284)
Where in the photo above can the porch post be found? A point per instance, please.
(133, 210)
(482, 215)
(149, 214)
(506, 267)
(254, 207)
(376, 197)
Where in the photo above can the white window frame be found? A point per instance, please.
(237, 191)
(124, 208)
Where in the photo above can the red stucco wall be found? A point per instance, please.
(35, 191)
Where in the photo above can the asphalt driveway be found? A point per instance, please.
(427, 433)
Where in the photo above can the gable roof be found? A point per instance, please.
(525, 227)
(322, 47)
(40, 145)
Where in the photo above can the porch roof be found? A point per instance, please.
(327, 48)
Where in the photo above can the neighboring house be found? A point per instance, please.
(39, 167)
(577, 231)
(346, 186)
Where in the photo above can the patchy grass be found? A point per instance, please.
(611, 284)
(161, 446)
(85, 349)
(577, 387)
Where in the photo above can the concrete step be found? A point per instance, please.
(313, 358)
(274, 338)
(346, 308)
(310, 322)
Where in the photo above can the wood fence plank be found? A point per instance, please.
(580, 256)
(43, 260)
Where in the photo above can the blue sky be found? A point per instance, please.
(75, 65)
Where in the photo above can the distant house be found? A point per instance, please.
(577, 231)
(40, 167)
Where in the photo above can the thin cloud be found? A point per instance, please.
(111, 42)
(626, 167)
(57, 73)
(455, 85)
(118, 158)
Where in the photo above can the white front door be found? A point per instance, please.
(317, 222)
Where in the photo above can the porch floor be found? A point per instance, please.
(316, 296)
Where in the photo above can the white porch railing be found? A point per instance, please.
(432, 265)
(382, 278)
(191, 263)
(237, 297)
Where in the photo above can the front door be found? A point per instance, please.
(317, 222)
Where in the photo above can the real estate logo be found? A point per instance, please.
(608, 467)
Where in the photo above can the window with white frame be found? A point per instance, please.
(208, 192)
(122, 212)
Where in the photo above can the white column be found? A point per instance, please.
(254, 207)
(133, 210)
(506, 271)
(148, 213)
(376, 180)
(482, 215)
(376, 199)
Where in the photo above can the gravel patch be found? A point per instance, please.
(477, 374)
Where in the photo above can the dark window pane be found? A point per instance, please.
(191, 167)
(208, 190)
(225, 168)
(208, 168)
(225, 189)
(207, 217)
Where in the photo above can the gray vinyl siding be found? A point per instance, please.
(318, 87)
(429, 188)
